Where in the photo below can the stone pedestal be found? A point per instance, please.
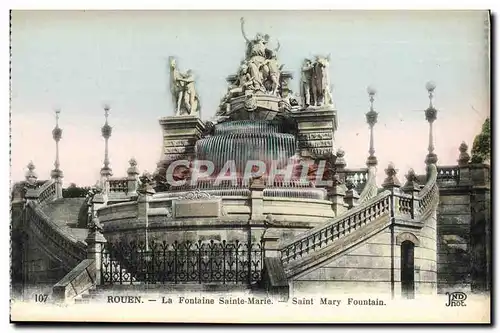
(336, 195)
(180, 134)
(351, 198)
(257, 187)
(274, 279)
(95, 243)
(316, 130)
(270, 239)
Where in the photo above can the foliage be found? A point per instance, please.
(73, 191)
(481, 149)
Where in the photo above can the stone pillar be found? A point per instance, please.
(351, 195)
(392, 183)
(336, 195)
(463, 164)
(145, 192)
(180, 134)
(274, 279)
(412, 187)
(95, 244)
(340, 165)
(132, 178)
(270, 239)
(316, 131)
(257, 187)
(31, 183)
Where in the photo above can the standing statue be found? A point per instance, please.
(182, 87)
(262, 62)
(315, 82)
(274, 71)
(321, 81)
(306, 81)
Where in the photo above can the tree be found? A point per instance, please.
(481, 148)
(73, 191)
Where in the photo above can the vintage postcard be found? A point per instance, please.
(250, 166)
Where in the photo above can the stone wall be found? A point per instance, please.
(480, 228)
(464, 230)
(454, 222)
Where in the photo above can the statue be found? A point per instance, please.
(274, 71)
(183, 90)
(306, 81)
(262, 61)
(321, 81)
(315, 82)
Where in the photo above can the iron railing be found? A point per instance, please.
(187, 262)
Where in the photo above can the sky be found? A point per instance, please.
(79, 60)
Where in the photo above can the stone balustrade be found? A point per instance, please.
(58, 242)
(118, 185)
(47, 192)
(359, 177)
(404, 205)
(448, 173)
(320, 237)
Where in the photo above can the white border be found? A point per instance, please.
(200, 4)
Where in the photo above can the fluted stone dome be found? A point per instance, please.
(245, 140)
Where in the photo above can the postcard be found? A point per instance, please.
(177, 166)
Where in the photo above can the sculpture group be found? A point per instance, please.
(315, 82)
(183, 90)
(259, 72)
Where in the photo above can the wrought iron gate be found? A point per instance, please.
(187, 262)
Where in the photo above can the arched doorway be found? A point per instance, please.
(408, 269)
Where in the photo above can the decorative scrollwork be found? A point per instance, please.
(195, 195)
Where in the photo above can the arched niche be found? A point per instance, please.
(407, 236)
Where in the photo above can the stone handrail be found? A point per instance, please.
(428, 196)
(320, 237)
(59, 243)
(370, 189)
(77, 281)
(47, 192)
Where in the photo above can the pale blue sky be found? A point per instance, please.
(79, 60)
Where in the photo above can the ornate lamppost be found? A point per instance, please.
(430, 116)
(57, 173)
(371, 119)
(106, 131)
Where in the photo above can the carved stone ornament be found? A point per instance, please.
(169, 212)
(195, 195)
(250, 102)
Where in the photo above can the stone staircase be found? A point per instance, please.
(65, 212)
(323, 243)
(52, 224)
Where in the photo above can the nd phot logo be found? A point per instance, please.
(456, 298)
